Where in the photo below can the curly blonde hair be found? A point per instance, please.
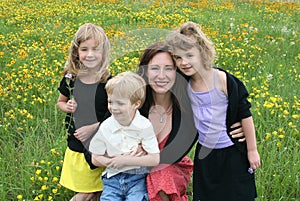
(190, 35)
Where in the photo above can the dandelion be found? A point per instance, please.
(285, 112)
(53, 151)
(19, 197)
(279, 144)
(44, 187)
(54, 191)
(38, 172)
(55, 179)
(268, 136)
(295, 116)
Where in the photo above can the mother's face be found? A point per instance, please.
(161, 73)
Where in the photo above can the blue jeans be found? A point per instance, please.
(124, 187)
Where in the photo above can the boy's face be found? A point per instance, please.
(121, 108)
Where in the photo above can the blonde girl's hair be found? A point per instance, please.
(190, 35)
(128, 85)
(85, 32)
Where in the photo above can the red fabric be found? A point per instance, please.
(172, 179)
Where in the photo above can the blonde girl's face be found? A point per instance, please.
(188, 61)
(90, 54)
(121, 108)
(161, 73)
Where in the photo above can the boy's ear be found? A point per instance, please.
(137, 104)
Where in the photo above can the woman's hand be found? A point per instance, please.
(238, 131)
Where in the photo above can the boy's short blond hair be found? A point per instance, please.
(128, 85)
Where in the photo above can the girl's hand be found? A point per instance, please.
(71, 106)
(85, 132)
(254, 159)
(238, 132)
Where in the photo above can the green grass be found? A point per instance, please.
(258, 41)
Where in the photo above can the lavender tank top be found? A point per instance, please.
(209, 110)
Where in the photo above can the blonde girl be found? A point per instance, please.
(84, 99)
(223, 168)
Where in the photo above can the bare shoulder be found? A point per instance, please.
(222, 81)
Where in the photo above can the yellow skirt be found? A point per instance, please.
(77, 175)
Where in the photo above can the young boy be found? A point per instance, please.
(119, 136)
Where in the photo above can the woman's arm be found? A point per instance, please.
(238, 131)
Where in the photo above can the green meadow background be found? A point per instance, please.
(258, 41)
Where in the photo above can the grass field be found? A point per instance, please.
(258, 41)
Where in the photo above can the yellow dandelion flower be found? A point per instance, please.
(55, 179)
(285, 112)
(54, 191)
(273, 99)
(57, 168)
(42, 161)
(53, 151)
(281, 136)
(46, 178)
(274, 132)
(38, 172)
(19, 197)
(40, 178)
(44, 187)
(268, 105)
(279, 144)
(295, 116)
(31, 178)
(268, 136)
(50, 197)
